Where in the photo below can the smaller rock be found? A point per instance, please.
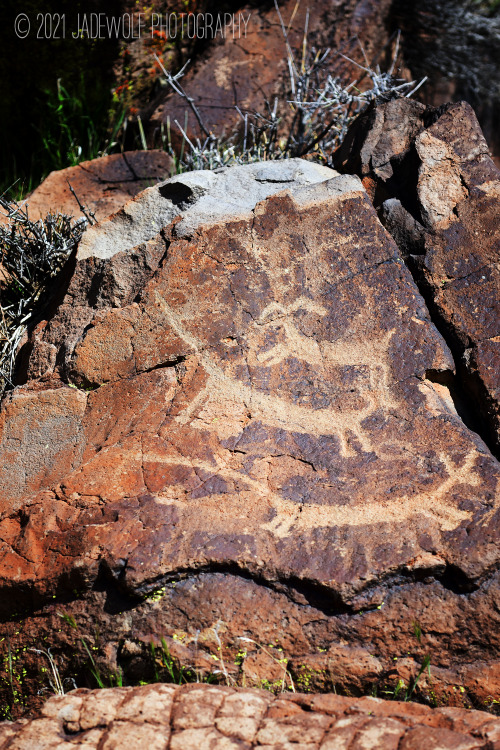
(102, 185)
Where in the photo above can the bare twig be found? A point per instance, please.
(310, 122)
(56, 682)
(173, 81)
(87, 212)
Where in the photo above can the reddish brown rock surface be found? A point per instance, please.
(454, 46)
(195, 717)
(102, 185)
(442, 204)
(248, 69)
(247, 436)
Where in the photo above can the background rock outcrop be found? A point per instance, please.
(247, 69)
(456, 45)
(452, 44)
(262, 450)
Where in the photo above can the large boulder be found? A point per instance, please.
(235, 435)
(194, 717)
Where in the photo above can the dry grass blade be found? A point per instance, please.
(309, 119)
(32, 253)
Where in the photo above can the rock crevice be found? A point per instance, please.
(443, 213)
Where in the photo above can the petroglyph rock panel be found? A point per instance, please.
(270, 404)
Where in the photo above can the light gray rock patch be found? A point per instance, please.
(200, 198)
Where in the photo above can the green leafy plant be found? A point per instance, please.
(426, 665)
(71, 134)
(163, 659)
(417, 630)
(402, 691)
(13, 681)
(115, 678)
(286, 682)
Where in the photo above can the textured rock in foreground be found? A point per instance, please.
(195, 717)
(439, 193)
(261, 448)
